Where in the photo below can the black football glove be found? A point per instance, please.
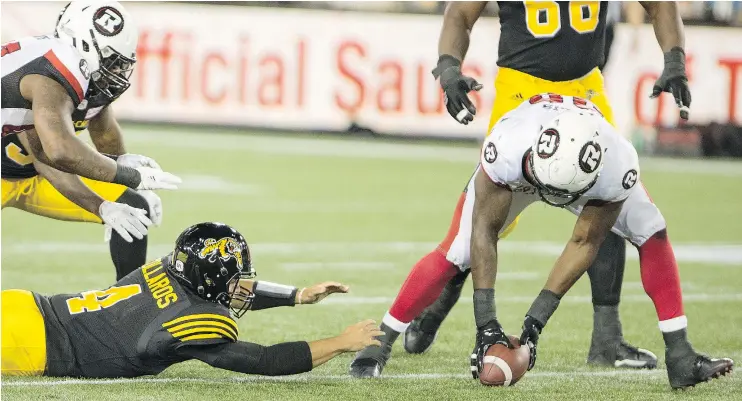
(487, 335)
(455, 89)
(674, 80)
(531, 331)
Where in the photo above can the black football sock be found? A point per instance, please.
(606, 278)
(449, 296)
(129, 256)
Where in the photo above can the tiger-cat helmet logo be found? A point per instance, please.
(225, 249)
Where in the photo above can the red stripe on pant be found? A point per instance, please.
(660, 276)
(427, 278)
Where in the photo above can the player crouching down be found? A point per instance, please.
(560, 150)
(168, 311)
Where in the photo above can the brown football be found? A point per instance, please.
(503, 366)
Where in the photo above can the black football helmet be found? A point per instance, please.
(207, 257)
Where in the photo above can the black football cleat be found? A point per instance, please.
(422, 332)
(621, 355)
(369, 362)
(689, 370)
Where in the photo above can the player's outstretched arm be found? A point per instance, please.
(491, 207)
(54, 141)
(271, 295)
(286, 358)
(589, 232)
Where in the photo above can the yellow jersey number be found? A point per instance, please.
(91, 301)
(16, 154)
(543, 18)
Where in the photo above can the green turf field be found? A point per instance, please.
(363, 212)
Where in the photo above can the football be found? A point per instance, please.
(503, 366)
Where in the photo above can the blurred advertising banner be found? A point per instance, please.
(300, 69)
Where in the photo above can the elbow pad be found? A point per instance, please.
(271, 295)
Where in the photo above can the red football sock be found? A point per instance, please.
(660, 276)
(423, 286)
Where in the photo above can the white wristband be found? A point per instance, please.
(298, 296)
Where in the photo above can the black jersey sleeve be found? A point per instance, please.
(244, 357)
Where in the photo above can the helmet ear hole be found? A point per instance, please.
(85, 46)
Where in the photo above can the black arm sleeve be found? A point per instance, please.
(276, 360)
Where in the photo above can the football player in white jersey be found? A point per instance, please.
(560, 150)
(53, 86)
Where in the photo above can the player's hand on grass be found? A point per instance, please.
(487, 336)
(456, 87)
(531, 331)
(361, 335)
(318, 292)
(134, 161)
(675, 81)
(127, 221)
(152, 178)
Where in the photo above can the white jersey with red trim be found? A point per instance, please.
(503, 158)
(504, 150)
(42, 55)
(52, 58)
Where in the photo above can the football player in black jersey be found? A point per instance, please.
(171, 310)
(55, 86)
(544, 47)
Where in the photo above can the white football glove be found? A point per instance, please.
(155, 206)
(126, 220)
(157, 179)
(134, 161)
(155, 212)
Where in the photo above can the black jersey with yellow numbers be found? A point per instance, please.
(49, 57)
(552, 40)
(130, 329)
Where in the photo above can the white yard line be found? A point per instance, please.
(719, 254)
(312, 377)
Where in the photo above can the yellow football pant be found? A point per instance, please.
(24, 336)
(512, 87)
(36, 195)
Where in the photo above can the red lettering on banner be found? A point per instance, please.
(641, 94)
(185, 57)
(242, 72)
(270, 90)
(424, 80)
(391, 89)
(734, 67)
(207, 74)
(342, 65)
(301, 72)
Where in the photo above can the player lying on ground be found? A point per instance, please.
(171, 310)
(560, 150)
(536, 54)
(55, 86)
